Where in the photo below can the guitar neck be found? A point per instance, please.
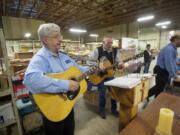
(111, 67)
(126, 60)
(84, 75)
(134, 57)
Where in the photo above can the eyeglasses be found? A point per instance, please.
(55, 37)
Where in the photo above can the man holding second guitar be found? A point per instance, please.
(49, 59)
(112, 54)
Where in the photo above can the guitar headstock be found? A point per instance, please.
(139, 55)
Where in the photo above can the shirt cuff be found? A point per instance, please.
(64, 85)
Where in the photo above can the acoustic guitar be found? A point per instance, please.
(108, 72)
(56, 107)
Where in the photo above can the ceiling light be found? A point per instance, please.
(78, 30)
(93, 35)
(145, 18)
(163, 23)
(27, 35)
(164, 27)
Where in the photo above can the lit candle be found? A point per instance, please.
(165, 121)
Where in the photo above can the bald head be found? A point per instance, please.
(107, 42)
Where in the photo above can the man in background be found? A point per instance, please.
(112, 54)
(147, 58)
(166, 68)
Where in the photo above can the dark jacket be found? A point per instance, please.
(110, 56)
(147, 57)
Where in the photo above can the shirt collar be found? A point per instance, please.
(51, 53)
(173, 46)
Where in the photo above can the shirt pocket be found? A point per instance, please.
(68, 63)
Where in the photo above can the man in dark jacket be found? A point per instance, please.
(147, 58)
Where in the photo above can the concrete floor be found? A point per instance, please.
(88, 122)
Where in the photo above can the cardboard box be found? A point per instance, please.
(6, 111)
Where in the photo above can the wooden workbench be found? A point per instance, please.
(145, 123)
(129, 100)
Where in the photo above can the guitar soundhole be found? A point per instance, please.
(71, 95)
(102, 73)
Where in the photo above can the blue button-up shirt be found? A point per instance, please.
(178, 66)
(167, 59)
(44, 62)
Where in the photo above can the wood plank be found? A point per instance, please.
(146, 122)
(7, 123)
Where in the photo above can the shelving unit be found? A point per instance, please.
(5, 92)
(7, 95)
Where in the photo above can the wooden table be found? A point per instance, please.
(129, 100)
(145, 123)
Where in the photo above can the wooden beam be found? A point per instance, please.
(80, 8)
(34, 4)
(175, 19)
(41, 10)
(96, 12)
(4, 7)
(132, 9)
(134, 14)
(76, 12)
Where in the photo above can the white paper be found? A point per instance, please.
(146, 75)
(124, 82)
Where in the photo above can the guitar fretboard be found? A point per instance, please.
(126, 60)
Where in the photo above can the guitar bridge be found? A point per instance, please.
(63, 96)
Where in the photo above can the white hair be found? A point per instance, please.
(47, 29)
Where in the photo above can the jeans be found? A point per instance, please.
(146, 67)
(102, 97)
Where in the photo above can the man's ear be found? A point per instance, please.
(44, 40)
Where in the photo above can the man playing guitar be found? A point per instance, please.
(112, 54)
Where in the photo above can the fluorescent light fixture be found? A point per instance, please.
(164, 27)
(27, 35)
(78, 30)
(145, 18)
(163, 23)
(93, 35)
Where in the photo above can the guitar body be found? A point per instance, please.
(96, 78)
(53, 106)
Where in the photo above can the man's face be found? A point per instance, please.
(177, 42)
(107, 43)
(53, 42)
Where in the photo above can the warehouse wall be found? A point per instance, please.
(151, 35)
(15, 28)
